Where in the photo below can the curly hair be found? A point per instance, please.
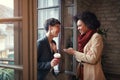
(89, 19)
(51, 22)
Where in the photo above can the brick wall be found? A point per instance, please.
(83, 5)
(108, 12)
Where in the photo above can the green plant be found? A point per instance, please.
(103, 32)
(6, 74)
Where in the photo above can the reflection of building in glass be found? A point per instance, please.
(6, 34)
(5, 12)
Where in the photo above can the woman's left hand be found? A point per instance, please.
(69, 51)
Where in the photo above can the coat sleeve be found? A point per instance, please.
(41, 65)
(44, 66)
(93, 55)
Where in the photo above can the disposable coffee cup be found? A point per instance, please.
(57, 55)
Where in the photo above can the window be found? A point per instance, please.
(69, 35)
(10, 39)
(17, 60)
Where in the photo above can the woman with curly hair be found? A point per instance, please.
(90, 46)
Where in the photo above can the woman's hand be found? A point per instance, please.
(69, 51)
(54, 62)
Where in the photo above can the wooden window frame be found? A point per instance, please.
(29, 38)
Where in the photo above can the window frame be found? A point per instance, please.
(74, 29)
(28, 59)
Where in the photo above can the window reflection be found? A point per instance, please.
(6, 8)
(6, 41)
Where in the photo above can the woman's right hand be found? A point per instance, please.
(69, 51)
(54, 62)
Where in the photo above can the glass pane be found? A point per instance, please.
(41, 34)
(68, 43)
(10, 41)
(6, 8)
(45, 14)
(47, 3)
(7, 42)
(68, 18)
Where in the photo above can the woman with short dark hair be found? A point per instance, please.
(45, 53)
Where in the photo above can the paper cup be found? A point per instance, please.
(57, 55)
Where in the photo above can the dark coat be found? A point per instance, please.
(45, 55)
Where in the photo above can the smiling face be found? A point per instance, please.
(82, 28)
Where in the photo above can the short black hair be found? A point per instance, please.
(51, 22)
(89, 19)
